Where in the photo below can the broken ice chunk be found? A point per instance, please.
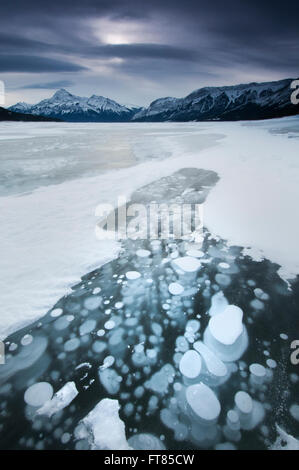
(103, 428)
(284, 441)
(61, 400)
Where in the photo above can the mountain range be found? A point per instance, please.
(8, 115)
(67, 107)
(228, 103)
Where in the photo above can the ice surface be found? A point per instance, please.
(57, 210)
(38, 394)
(103, 428)
(61, 400)
(284, 441)
(203, 402)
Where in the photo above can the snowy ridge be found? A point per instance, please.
(68, 107)
(247, 101)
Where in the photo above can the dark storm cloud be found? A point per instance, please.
(207, 37)
(26, 63)
(49, 85)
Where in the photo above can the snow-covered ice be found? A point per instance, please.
(103, 428)
(53, 242)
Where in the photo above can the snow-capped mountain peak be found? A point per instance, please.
(68, 107)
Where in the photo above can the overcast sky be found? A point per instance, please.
(135, 51)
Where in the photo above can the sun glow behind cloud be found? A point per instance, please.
(114, 32)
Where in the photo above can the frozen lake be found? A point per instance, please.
(108, 325)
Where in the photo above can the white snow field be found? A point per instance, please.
(53, 176)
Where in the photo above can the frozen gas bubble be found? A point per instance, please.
(218, 303)
(100, 332)
(223, 279)
(96, 290)
(128, 409)
(143, 253)
(145, 442)
(92, 303)
(233, 417)
(260, 294)
(110, 380)
(72, 344)
(109, 325)
(225, 446)
(157, 329)
(108, 362)
(294, 410)
(227, 327)
(213, 364)
(182, 344)
(99, 346)
(119, 305)
(271, 363)
(203, 402)
(257, 370)
(193, 326)
(56, 312)
(186, 264)
(65, 438)
(223, 265)
(61, 323)
(195, 253)
(38, 394)
(159, 382)
(243, 402)
(87, 327)
(190, 364)
(132, 275)
(256, 304)
(284, 336)
(175, 288)
(26, 340)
